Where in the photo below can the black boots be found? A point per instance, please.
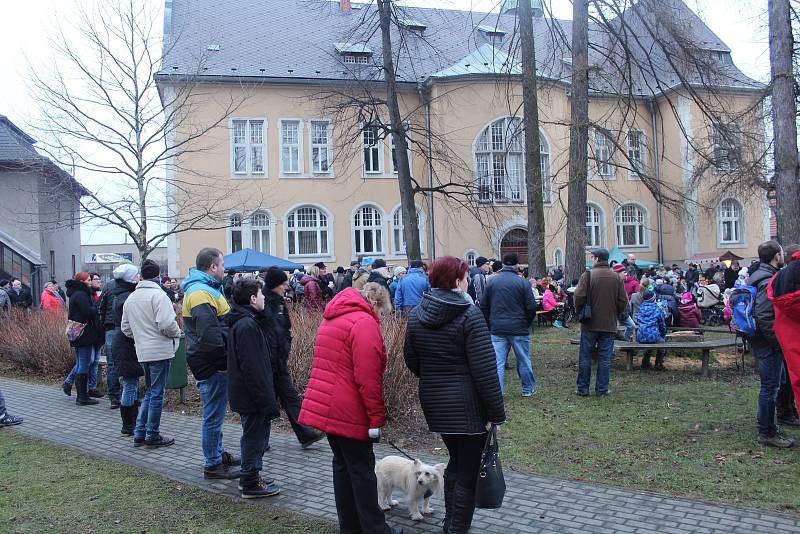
(463, 509)
(128, 415)
(660, 354)
(449, 489)
(83, 393)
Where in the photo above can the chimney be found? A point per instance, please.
(345, 6)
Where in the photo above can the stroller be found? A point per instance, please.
(712, 309)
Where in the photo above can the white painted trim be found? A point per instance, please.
(381, 145)
(247, 238)
(300, 153)
(603, 224)
(595, 175)
(229, 230)
(633, 175)
(422, 233)
(320, 175)
(742, 242)
(466, 254)
(645, 223)
(331, 241)
(383, 227)
(556, 263)
(501, 231)
(265, 145)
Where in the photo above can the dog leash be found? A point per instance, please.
(398, 449)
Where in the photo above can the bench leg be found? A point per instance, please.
(706, 358)
(629, 360)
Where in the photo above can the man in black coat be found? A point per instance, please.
(250, 387)
(20, 295)
(277, 329)
(731, 274)
(107, 319)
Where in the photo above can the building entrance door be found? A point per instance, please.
(515, 241)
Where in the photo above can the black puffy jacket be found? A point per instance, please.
(106, 306)
(763, 312)
(83, 310)
(449, 348)
(123, 349)
(277, 329)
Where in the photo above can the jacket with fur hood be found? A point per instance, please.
(82, 309)
(149, 318)
(344, 396)
(360, 279)
(381, 276)
(449, 348)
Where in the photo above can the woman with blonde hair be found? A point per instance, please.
(636, 298)
(312, 295)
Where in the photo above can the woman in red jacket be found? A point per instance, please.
(344, 399)
(51, 300)
(784, 292)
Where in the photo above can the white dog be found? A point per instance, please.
(414, 479)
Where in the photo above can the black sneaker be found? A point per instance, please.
(158, 442)
(789, 421)
(95, 394)
(9, 420)
(67, 389)
(229, 459)
(582, 393)
(114, 403)
(266, 481)
(317, 436)
(221, 472)
(259, 490)
(138, 441)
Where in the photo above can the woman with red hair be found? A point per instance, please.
(449, 348)
(83, 310)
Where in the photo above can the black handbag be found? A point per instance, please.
(585, 315)
(491, 485)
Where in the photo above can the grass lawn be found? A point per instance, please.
(671, 432)
(47, 488)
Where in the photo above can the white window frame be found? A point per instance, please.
(471, 256)
(544, 162)
(392, 163)
(315, 146)
(319, 228)
(722, 151)
(260, 228)
(736, 221)
(248, 146)
(558, 257)
(298, 146)
(397, 228)
(600, 224)
(378, 230)
(643, 232)
(235, 224)
(603, 151)
(355, 59)
(636, 171)
(378, 147)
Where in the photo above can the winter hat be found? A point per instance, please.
(618, 268)
(126, 272)
(648, 296)
(274, 277)
(368, 261)
(399, 270)
(378, 263)
(659, 281)
(320, 265)
(686, 298)
(743, 272)
(480, 261)
(150, 270)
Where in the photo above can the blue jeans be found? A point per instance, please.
(521, 345)
(87, 359)
(148, 421)
(114, 391)
(130, 391)
(255, 437)
(603, 343)
(214, 393)
(629, 326)
(770, 368)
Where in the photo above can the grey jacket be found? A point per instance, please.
(763, 313)
(5, 301)
(149, 318)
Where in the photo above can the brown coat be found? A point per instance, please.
(609, 299)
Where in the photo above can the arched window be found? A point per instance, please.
(594, 226)
(558, 257)
(730, 222)
(631, 223)
(500, 162)
(399, 238)
(259, 232)
(235, 233)
(470, 257)
(307, 232)
(368, 230)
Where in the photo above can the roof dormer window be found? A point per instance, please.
(492, 34)
(355, 59)
(353, 53)
(413, 25)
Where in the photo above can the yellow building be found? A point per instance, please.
(312, 186)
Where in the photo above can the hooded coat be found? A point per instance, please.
(204, 306)
(123, 347)
(690, 315)
(652, 326)
(344, 396)
(82, 309)
(312, 295)
(381, 276)
(784, 293)
(631, 285)
(51, 301)
(763, 311)
(449, 348)
(360, 279)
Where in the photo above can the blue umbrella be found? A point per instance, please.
(250, 260)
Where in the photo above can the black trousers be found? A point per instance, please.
(465, 457)
(289, 399)
(356, 487)
(785, 406)
(255, 436)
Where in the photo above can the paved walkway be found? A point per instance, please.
(533, 503)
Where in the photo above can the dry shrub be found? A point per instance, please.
(34, 342)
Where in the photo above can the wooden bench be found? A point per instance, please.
(544, 317)
(631, 348)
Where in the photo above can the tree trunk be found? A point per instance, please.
(787, 189)
(408, 207)
(578, 142)
(537, 263)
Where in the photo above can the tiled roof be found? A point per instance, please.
(297, 39)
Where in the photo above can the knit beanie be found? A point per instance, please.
(618, 268)
(378, 263)
(399, 270)
(150, 270)
(649, 296)
(126, 272)
(480, 261)
(274, 277)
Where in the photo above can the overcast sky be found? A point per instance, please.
(25, 26)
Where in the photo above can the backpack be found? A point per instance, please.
(743, 302)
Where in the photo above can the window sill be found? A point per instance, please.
(604, 178)
(736, 245)
(249, 177)
(378, 176)
(640, 248)
(330, 176)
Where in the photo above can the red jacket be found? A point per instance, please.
(787, 326)
(313, 293)
(344, 396)
(631, 285)
(51, 302)
(689, 315)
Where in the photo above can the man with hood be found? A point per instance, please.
(204, 307)
(362, 274)
(380, 273)
(149, 318)
(250, 386)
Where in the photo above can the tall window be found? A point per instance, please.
(636, 151)
(558, 257)
(368, 230)
(602, 154)
(471, 257)
(373, 150)
(320, 147)
(727, 140)
(500, 162)
(594, 226)
(248, 146)
(290, 147)
(259, 232)
(730, 222)
(307, 232)
(398, 229)
(407, 128)
(631, 222)
(235, 232)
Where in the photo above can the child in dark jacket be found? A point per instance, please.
(652, 328)
(689, 315)
(250, 385)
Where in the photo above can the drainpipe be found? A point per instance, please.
(657, 169)
(425, 96)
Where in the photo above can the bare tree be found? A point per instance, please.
(103, 115)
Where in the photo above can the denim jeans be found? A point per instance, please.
(770, 368)
(255, 437)
(148, 421)
(603, 342)
(114, 391)
(130, 391)
(90, 358)
(629, 327)
(214, 393)
(521, 346)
